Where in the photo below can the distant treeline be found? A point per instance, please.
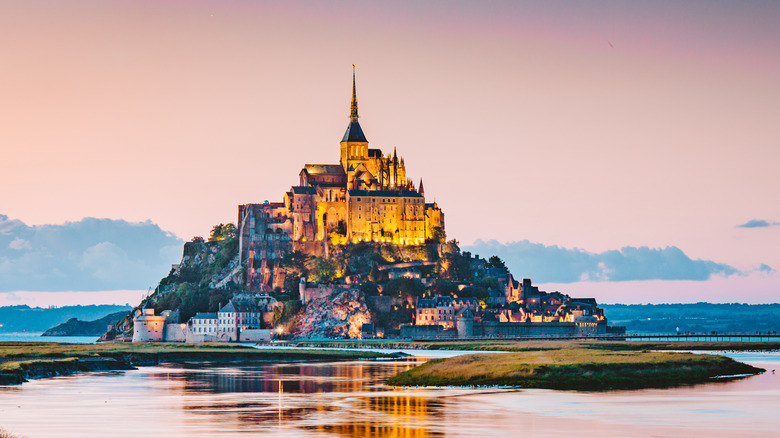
(695, 318)
(26, 319)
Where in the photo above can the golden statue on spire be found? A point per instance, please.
(353, 113)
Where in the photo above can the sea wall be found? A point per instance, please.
(410, 331)
(255, 335)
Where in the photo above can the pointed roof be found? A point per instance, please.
(420, 189)
(354, 131)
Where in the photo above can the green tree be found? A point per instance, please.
(375, 274)
(369, 289)
(222, 232)
(478, 292)
(438, 235)
(496, 262)
(322, 270)
(404, 287)
(454, 265)
(444, 288)
(489, 283)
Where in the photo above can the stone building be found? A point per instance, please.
(525, 311)
(366, 197)
(148, 327)
(244, 314)
(203, 327)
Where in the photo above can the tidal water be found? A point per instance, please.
(347, 399)
(36, 337)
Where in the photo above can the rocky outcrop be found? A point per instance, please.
(340, 315)
(207, 269)
(76, 327)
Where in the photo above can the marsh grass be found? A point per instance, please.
(24, 360)
(573, 368)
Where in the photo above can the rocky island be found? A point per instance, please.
(77, 327)
(354, 250)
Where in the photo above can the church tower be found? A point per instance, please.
(354, 146)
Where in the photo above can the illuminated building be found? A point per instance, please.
(366, 197)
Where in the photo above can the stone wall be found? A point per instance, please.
(175, 332)
(309, 293)
(256, 335)
(410, 331)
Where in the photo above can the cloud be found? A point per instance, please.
(554, 264)
(10, 296)
(758, 223)
(19, 244)
(87, 255)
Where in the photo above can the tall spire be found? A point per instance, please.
(354, 132)
(420, 189)
(353, 113)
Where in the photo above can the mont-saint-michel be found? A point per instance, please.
(446, 242)
(354, 250)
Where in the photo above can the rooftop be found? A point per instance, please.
(354, 133)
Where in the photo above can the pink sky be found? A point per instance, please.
(594, 125)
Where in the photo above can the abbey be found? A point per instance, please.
(366, 197)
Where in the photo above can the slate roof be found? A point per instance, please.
(318, 169)
(425, 303)
(240, 306)
(304, 190)
(354, 133)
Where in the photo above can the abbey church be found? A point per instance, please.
(366, 197)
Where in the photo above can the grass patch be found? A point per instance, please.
(573, 368)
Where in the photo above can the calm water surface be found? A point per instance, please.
(36, 337)
(347, 399)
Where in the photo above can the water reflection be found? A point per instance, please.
(304, 378)
(349, 400)
(344, 399)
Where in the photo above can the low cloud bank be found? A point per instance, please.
(87, 255)
(758, 223)
(555, 264)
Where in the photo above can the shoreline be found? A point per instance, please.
(23, 361)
